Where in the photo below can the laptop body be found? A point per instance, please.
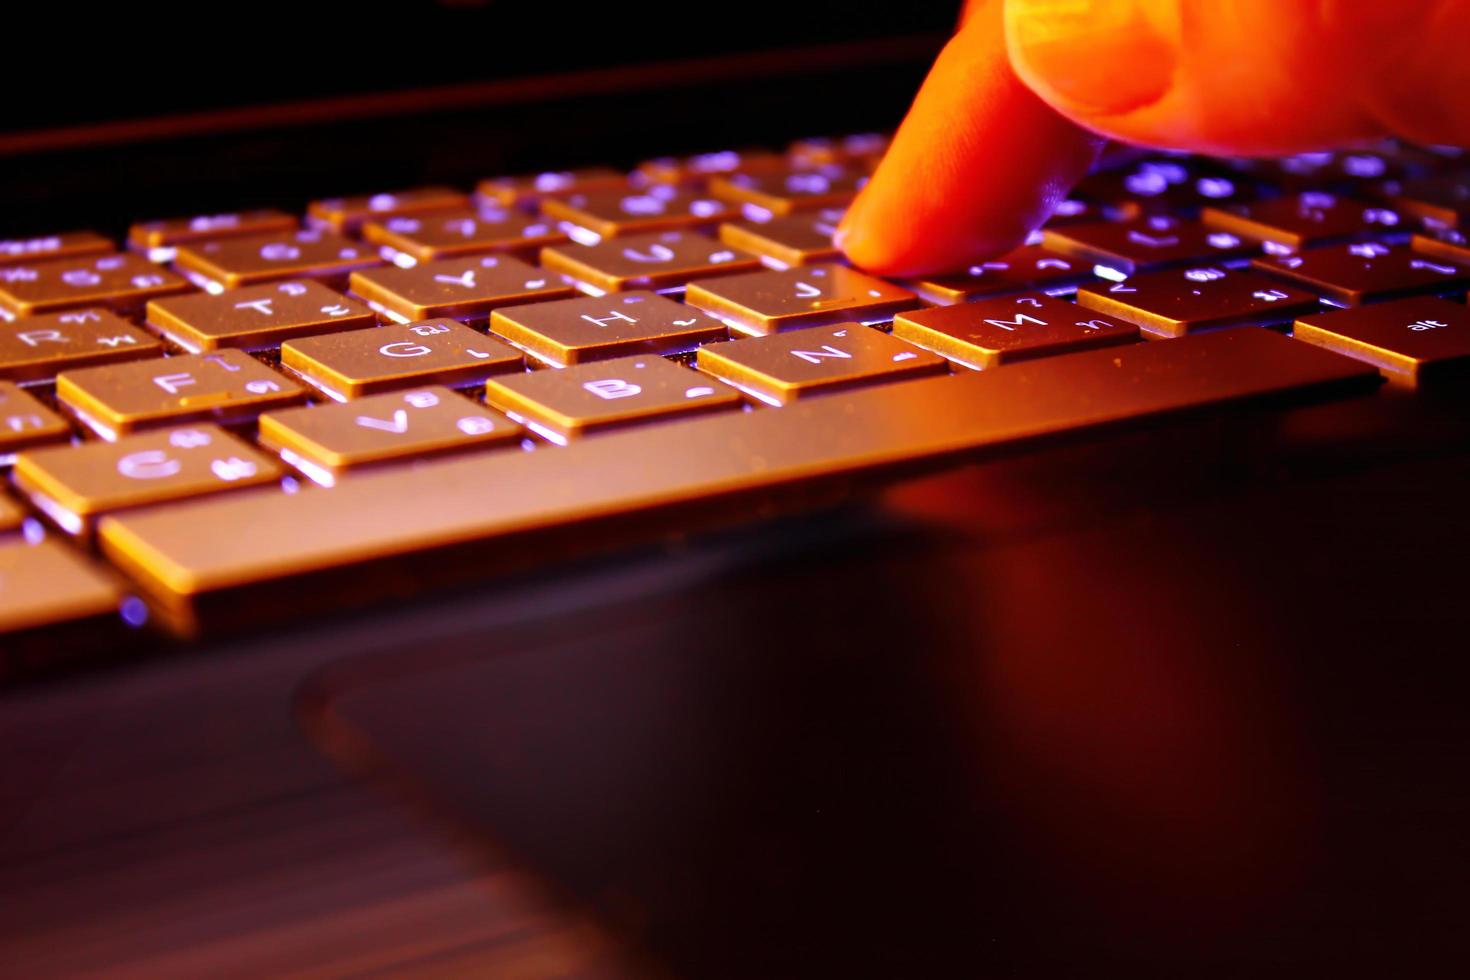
(1123, 701)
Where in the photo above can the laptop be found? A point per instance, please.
(463, 517)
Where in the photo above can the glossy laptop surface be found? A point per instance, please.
(1128, 646)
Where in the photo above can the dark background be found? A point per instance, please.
(177, 109)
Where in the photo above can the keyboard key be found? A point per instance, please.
(160, 239)
(25, 421)
(803, 238)
(1155, 242)
(796, 190)
(204, 568)
(347, 214)
(227, 387)
(254, 259)
(122, 282)
(73, 485)
(1413, 339)
(528, 191)
(1441, 202)
(562, 405)
(325, 440)
(455, 233)
(47, 584)
(781, 368)
(255, 317)
(1162, 185)
(1448, 245)
(820, 150)
(11, 517)
(695, 169)
(1298, 221)
(1326, 170)
(1071, 211)
(1350, 275)
(571, 331)
(466, 288)
(997, 331)
(661, 260)
(610, 213)
(67, 245)
(1025, 269)
(401, 355)
(36, 348)
(765, 302)
(1173, 302)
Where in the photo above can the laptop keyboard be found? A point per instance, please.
(239, 417)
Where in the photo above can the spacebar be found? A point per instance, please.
(212, 547)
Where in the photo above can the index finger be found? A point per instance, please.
(978, 162)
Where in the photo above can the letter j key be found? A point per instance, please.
(807, 296)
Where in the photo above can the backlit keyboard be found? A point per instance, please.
(242, 417)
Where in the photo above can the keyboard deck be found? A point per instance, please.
(246, 416)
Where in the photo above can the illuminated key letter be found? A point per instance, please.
(815, 356)
(1012, 325)
(262, 306)
(612, 388)
(33, 338)
(171, 383)
(150, 464)
(404, 349)
(604, 321)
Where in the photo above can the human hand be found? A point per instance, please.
(1016, 106)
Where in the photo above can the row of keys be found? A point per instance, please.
(228, 386)
(76, 485)
(102, 478)
(1275, 288)
(192, 558)
(424, 227)
(752, 302)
